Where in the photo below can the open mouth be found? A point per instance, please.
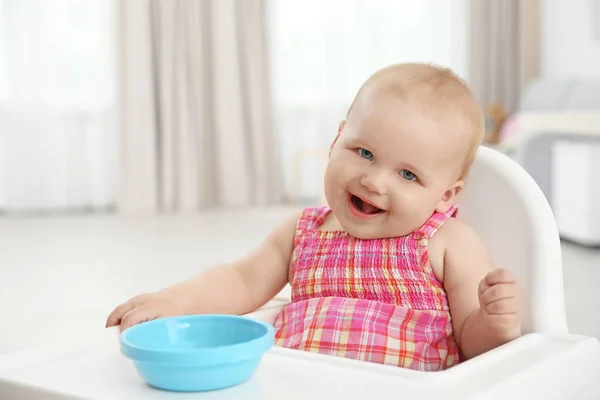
(363, 206)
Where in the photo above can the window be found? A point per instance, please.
(57, 90)
(322, 51)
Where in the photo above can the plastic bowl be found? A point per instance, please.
(198, 352)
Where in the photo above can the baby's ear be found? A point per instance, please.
(449, 197)
(340, 129)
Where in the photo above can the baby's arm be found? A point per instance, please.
(484, 301)
(236, 288)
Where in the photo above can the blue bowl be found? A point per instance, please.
(198, 352)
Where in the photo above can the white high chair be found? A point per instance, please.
(509, 211)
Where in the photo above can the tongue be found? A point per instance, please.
(369, 208)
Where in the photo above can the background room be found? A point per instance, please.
(144, 140)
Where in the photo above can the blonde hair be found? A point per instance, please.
(433, 86)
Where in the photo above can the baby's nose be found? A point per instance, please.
(375, 181)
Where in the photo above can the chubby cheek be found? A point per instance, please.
(411, 204)
(333, 183)
(339, 173)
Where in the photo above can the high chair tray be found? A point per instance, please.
(534, 366)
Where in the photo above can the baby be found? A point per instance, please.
(385, 273)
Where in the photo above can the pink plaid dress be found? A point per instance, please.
(373, 300)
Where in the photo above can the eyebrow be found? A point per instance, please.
(360, 142)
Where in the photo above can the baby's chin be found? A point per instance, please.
(374, 230)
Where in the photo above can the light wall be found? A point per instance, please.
(568, 46)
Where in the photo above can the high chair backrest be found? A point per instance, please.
(509, 211)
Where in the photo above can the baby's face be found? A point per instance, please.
(392, 165)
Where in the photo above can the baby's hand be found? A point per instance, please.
(500, 301)
(145, 307)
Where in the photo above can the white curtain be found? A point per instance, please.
(195, 109)
(321, 52)
(497, 50)
(57, 122)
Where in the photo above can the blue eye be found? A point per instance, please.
(409, 176)
(365, 154)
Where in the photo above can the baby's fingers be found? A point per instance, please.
(502, 306)
(500, 275)
(114, 317)
(497, 292)
(137, 316)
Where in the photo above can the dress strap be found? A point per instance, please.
(429, 228)
(312, 217)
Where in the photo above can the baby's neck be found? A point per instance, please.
(331, 223)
